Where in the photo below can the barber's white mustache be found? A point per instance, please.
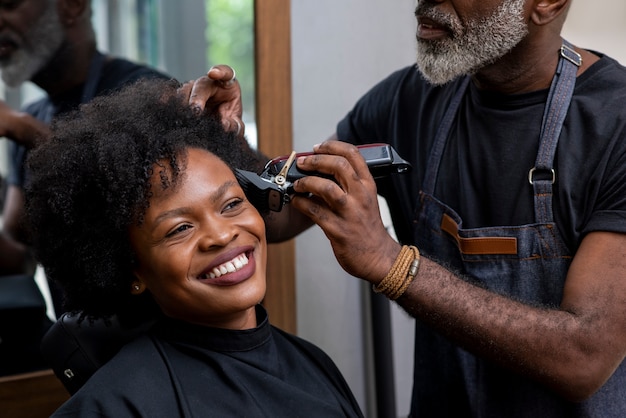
(442, 19)
(10, 39)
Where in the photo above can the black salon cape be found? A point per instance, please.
(184, 370)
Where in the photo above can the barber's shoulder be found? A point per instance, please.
(119, 71)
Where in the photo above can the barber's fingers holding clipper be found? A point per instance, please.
(346, 209)
(218, 92)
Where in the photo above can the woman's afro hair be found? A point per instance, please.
(90, 180)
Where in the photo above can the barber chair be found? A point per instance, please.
(76, 349)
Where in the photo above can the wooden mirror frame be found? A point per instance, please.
(274, 127)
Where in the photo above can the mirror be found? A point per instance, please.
(183, 38)
(175, 37)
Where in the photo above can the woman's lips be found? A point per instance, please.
(236, 270)
(228, 267)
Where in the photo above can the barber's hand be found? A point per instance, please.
(217, 93)
(346, 210)
(21, 127)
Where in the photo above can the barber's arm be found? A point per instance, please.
(20, 127)
(15, 256)
(573, 349)
(25, 130)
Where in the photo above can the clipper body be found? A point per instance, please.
(273, 187)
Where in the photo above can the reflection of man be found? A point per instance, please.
(25, 50)
(52, 44)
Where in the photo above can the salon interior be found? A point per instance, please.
(301, 66)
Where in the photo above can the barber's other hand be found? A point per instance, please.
(346, 209)
(21, 127)
(218, 93)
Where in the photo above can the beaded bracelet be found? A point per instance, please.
(401, 274)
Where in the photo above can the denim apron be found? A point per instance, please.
(528, 263)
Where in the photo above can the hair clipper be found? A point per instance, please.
(273, 187)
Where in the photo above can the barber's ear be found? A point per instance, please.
(545, 11)
(70, 11)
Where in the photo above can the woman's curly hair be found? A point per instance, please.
(91, 179)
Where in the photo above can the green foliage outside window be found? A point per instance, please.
(230, 40)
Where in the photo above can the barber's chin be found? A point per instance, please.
(440, 70)
(436, 77)
(12, 80)
(14, 75)
(23, 66)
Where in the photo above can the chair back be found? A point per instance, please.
(76, 349)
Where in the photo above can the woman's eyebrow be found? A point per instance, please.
(221, 191)
(170, 214)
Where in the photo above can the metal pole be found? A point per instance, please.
(383, 356)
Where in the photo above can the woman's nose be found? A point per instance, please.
(216, 235)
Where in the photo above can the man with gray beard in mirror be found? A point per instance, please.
(51, 43)
(512, 224)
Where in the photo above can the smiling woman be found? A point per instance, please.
(200, 250)
(137, 213)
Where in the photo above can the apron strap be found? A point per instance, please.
(542, 176)
(93, 78)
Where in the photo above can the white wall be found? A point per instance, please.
(599, 25)
(339, 50)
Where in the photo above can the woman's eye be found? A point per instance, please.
(178, 230)
(233, 204)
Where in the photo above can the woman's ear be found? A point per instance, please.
(137, 287)
(546, 11)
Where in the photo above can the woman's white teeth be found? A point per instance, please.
(229, 267)
(238, 263)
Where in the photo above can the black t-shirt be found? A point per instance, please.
(115, 74)
(493, 145)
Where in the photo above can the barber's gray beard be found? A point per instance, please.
(40, 44)
(471, 48)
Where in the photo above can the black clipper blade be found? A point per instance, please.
(263, 194)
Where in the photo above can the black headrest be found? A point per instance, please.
(76, 349)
